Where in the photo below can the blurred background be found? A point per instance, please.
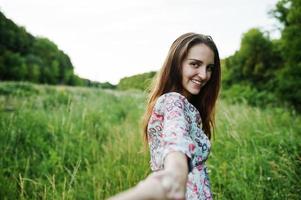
(74, 77)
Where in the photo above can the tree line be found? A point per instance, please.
(24, 57)
(269, 69)
(138, 81)
(263, 71)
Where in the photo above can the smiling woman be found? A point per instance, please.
(178, 122)
(197, 69)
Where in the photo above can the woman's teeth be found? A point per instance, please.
(196, 82)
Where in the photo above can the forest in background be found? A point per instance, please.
(24, 57)
(262, 72)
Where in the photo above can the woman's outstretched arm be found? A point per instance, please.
(169, 183)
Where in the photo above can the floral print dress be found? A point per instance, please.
(175, 125)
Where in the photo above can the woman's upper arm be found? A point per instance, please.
(176, 130)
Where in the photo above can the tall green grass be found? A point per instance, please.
(80, 143)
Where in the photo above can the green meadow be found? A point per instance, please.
(60, 142)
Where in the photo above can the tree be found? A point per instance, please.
(254, 63)
(12, 66)
(33, 64)
(139, 81)
(288, 12)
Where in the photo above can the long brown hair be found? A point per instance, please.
(169, 79)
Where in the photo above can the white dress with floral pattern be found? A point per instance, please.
(175, 125)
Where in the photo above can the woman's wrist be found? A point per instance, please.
(149, 189)
(134, 193)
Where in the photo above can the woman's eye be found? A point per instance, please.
(210, 67)
(194, 64)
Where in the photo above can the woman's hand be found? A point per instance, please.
(169, 183)
(148, 189)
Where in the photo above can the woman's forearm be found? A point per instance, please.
(177, 164)
(169, 183)
(130, 194)
(148, 189)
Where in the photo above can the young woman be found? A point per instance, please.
(179, 122)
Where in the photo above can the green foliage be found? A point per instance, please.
(19, 89)
(105, 85)
(13, 38)
(256, 154)
(24, 57)
(139, 81)
(84, 143)
(56, 142)
(244, 93)
(272, 68)
(55, 66)
(289, 14)
(12, 66)
(27, 58)
(250, 75)
(255, 62)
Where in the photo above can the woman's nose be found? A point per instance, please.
(202, 73)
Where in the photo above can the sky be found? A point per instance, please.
(110, 40)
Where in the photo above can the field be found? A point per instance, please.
(61, 142)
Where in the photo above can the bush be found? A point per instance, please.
(244, 93)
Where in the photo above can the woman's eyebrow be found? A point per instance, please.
(197, 60)
(194, 59)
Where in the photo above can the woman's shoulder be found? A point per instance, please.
(170, 98)
(175, 95)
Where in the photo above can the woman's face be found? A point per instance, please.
(197, 69)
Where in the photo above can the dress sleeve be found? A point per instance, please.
(175, 134)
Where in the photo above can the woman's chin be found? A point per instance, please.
(194, 91)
